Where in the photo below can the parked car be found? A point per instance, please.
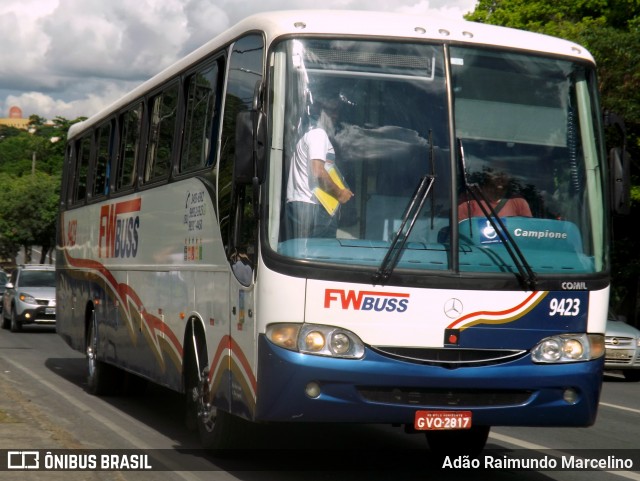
(4, 278)
(29, 297)
(622, 344)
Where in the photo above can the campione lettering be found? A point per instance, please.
(540, 234)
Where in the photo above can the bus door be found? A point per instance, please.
(242, 325)
(238, 219)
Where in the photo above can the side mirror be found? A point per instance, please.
(620, 182)
(619, 166)
(250, 140)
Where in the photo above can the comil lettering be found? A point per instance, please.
(119, 229)
(366, 300)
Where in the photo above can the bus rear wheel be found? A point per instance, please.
(458, 442)
(101, 377)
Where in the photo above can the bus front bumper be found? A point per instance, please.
(376, 389)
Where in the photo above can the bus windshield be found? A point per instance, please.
(511, 151)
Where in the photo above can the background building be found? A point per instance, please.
(15, 119)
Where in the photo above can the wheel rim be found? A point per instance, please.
(91, 352)
(206, 415)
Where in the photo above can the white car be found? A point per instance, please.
(622, 344)
(29, 297)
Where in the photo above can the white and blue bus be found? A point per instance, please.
(430, 303)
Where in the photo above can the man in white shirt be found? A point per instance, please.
(314, 154)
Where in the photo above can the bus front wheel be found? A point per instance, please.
(215, 427)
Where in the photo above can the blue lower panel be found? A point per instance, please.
(378, 389)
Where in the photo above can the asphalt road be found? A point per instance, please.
(44, 405)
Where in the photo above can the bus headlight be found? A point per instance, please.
(317, 339)
(340, 343)
(568, 348)
(284, 335)
(314, 341)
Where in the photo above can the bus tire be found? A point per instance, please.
(214, 426)
(469, 442)
(101, 377)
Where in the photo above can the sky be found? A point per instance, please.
(71, 58)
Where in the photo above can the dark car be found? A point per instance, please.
(29, 297)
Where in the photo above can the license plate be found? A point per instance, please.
(50, 311)
(619, 354)
(442, 420)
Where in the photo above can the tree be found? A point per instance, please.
(610, 30)
(616, 13)
(6, 132)
(30, 172)
(29, 207)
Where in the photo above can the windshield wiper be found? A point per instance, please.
(526, 275)
(406, 226)
(409, 218)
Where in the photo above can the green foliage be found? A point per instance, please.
(30, 170)
(16, 154)
(536, 15)
(29, 204)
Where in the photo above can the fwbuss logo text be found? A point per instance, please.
(119, 226)
(366, 300)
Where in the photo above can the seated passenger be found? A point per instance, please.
(495, 187)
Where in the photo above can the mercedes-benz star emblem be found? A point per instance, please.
(453, 308)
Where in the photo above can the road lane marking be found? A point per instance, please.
(554, 452)
(91, 411)
(516, 442)
(622, 408)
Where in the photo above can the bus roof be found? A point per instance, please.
(399, 25)
(349, 23)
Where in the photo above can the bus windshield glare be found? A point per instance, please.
(511, 151)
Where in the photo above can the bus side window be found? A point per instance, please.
(83, 155)
(67, 181)
(164, 112)
(202, 108)
(130, 123)
(103, 156)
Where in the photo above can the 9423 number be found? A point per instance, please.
(564, 307)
